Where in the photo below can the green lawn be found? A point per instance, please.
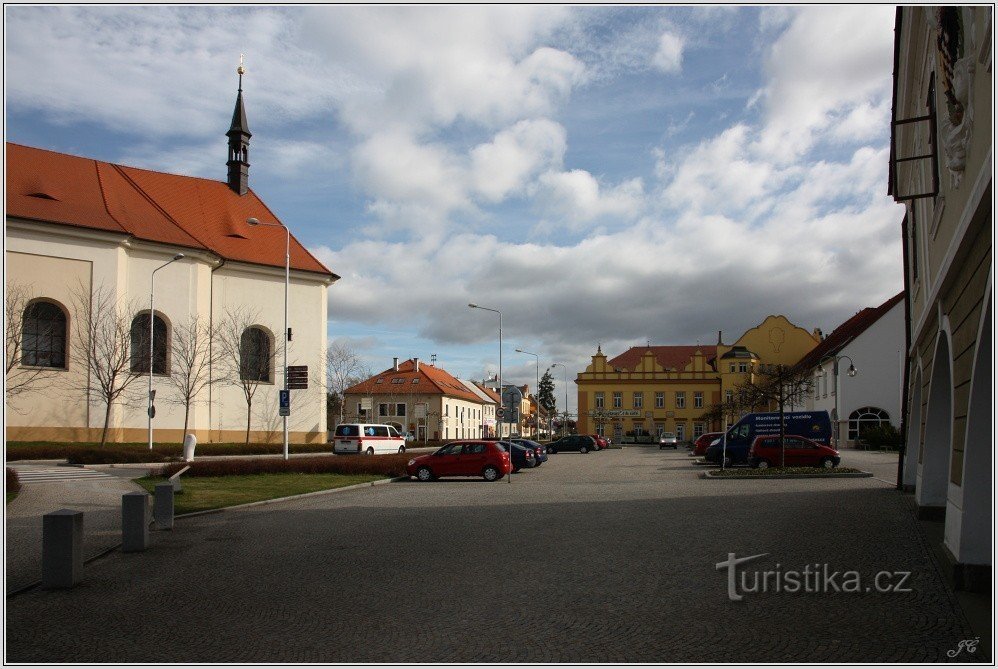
(201, 493)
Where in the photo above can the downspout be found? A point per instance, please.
(211, 341)
(907, 354)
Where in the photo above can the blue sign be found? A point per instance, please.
(285, 402)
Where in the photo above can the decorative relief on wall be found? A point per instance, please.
(777, 336)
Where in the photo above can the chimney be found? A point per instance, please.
(719, 338)
(395, 363)
(415, 362)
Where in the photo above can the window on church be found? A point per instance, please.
(255, 355)
(43, 336)
(140, 344)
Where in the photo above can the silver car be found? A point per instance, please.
(667, 440)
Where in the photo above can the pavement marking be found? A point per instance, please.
(56, 474)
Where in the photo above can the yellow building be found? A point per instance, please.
(655, 389)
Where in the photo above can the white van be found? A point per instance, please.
(356, 438)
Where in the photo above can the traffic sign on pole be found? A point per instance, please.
(500, 412)
(285, 403)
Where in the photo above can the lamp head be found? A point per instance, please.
(473, 306)
(179, 256)
(852, 370)
(252, 221)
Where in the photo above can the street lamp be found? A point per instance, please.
(496, 311)
(287, 283)
(537, 383)
(558, 364)
(152, 293)
(835, 370)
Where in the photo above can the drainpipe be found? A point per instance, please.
(211, 342)
(907, 355)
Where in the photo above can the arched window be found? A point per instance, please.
(254, 355)
(860, 419)
(140, 344)
(43, 336)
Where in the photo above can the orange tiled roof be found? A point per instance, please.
(674, 357)
(431, 381)
(188, 212)
(846, 332)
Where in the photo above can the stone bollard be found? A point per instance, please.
(175, 480)
(134, 522)
(163, 506)
(62, 548)
(190, 441)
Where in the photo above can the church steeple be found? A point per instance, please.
(239, 136)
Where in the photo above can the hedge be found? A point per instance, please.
(390, 465)
(13, 483)
(45, 450)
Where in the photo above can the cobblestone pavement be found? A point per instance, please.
(605, 557)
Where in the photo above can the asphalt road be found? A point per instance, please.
(605, 557)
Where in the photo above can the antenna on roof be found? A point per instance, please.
(433, 359)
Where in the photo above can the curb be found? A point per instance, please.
(849, 475)
(290, 497)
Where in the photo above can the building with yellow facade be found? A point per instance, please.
(655, 389)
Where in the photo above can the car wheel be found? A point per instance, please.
(827, 463)
(727, 462)
(516, 470)
(490, 473)
(762, 464)
(370, 450)
(424, 474)
(583, 449)
(401, 449)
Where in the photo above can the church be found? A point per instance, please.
(141, 302)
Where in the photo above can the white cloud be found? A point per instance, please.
(669, 56)
(515, 155)
(575, 198)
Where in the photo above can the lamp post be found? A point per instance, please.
(496, 311)
(287, 283)
(152, 294)
(558, 364)
(537, 383)
(835, 370)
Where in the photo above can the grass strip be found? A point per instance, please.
(216, 492)
(748, 472)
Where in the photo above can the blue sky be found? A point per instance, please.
(607, 175)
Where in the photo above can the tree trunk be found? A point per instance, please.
(783, 430)
(187, 413)
(107, 419)
(249, 415)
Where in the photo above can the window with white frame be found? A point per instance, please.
(680, 399)
(743, 367)
(659, 400)
(600, 400)
(618, 400)
(639, 400)
(383, 409)
(400, 409)
(697, 400)
(680, 431)
(697, 430)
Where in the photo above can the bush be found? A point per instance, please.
(391, 465)
(881, 437)
(45, 450)
(13, 483)
(107, 456)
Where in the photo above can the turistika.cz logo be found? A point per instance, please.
(813, 578)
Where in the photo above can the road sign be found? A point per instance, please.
(285, 402)
(499, 412)
(297, 377)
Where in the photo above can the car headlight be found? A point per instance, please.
(412, 462)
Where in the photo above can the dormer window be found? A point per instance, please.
(378, 381)
(416, 380)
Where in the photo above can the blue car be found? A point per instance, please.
(813, 425)
(519, 456)
(540, 453)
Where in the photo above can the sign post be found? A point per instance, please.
(285, 403)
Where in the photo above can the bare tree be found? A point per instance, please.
(343, 369)
(19, 377)
(193, 357)
(246, 359)
(777, 385)
(101, 342)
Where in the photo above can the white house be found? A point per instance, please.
(872, 344)
(83, 234)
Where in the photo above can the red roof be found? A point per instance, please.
(430, 381)
(848, 331)
(670, 357)
(181, 211)
(493, 395)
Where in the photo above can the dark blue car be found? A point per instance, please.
(540, 453)
(519, 456)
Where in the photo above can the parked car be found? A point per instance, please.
(667, 440)
(703, 441)
(368, 438)
(462, 458)
(813, 425)
(601, 442)
(540, 453)
(520, 456)
(800, 452)
(582, 443)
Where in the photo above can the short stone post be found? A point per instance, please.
(62, 548)
(134, 522)
(190, 442)
(163, 506)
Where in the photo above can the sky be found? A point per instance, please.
(604, 176)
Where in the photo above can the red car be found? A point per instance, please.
(800, 452)
(462, 458)
(601, 442)
(703, 441)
